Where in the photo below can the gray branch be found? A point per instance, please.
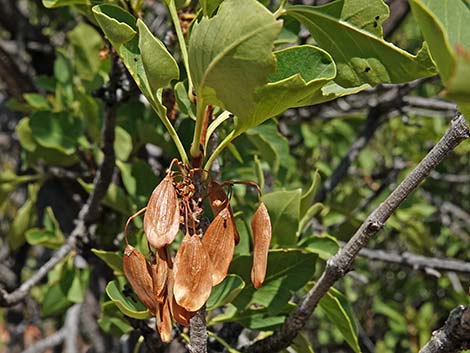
(68, 334)
(416, 261)
(454, 336)
(341, 263)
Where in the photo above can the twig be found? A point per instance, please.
(416, 261)
(49, 342)
(388, 102)
(86, 215)
(451, 178)
(198, 332)
(71, 326)
(67, 333)
(341, 263)
(454, 336)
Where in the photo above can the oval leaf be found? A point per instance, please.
(343, 28)
(232, 52)
(225, 292)
(129, 305)
(117, 24)
(159, 65)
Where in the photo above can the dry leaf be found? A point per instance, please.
(164, 324)
(219, 243)
(218, 200)
(162, 217)
(193, 274)
(160, 274)
(261, 227)
(137, 273)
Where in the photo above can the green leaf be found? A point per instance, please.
(35, 152)
(210, 6)
(87, 44)
(122, 144)
(112, 258)
(300, 72)
(311, 212)
(339, 312)
(225, 292)
(59, 131)
(117, 24)
(120, 27)
(58, 3)
(24, 219)
(138, 179)
(343, 28)
(112, 320)
(288, 270)
(323, 245)
(159, 65)
(50, 236)
(79, 284)
(271, 146)
(445, 28)
(284, 211)
(309, 195)
(300, 344)
(36, 101)
(115, 198)
(232, 52)
(128, 303)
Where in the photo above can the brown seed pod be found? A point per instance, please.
(180, 314)
(162, 217)
(137, 272)
(218, 200)
(164, 323)
(261, 227)
(219, 242)
(160, 272)
(193, 274)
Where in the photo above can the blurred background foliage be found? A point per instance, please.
(55, 64)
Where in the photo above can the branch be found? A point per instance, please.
(67, 333)
(454, 336)
(416, 261)
(389, 101)
(341, 263)
(88, 212)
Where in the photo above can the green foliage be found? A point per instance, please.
(240, 64)
(449, 43)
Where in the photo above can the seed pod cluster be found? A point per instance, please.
(173, 290)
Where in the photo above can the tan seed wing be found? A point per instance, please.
(218, 200)
(162, 217)
(219, 242)
(193, 274)
(180, 314)
(261, 227)
(164, 323)
(160, 275)
(137, 273)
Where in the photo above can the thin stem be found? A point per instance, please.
(158, 108)
(229, 138)
(181, 41)
(195, 152)
(281, 10)
(216, 123)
